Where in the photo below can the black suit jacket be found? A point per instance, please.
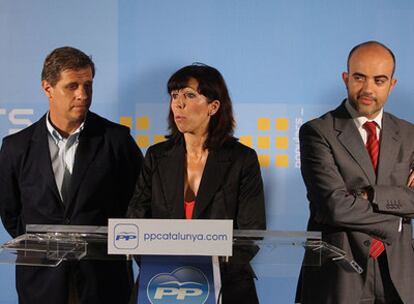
(231, 188)
(335, 162)
(107, 163)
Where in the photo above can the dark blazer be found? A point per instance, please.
(334, 163)
(231, 188)
(107, 163)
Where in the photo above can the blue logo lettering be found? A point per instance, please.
(126, 236)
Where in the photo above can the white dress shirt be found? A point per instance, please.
(359, 121)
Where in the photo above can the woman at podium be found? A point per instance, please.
(202, 172)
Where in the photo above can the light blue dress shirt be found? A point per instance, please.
(62, 154)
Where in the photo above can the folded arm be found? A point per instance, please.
(332, 201)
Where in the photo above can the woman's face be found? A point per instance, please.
(191, 110)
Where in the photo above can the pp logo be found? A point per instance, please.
(186, 285)
(126, 236)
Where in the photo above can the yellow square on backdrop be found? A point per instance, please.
(282, 160)
(142, 141)
(143, 123)
(263, 124)
(282, 142)
(264, 160)
(263, 142)
(282, 124)
(159, 138)
(126, 121)
(246, 140)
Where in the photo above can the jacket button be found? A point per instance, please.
(67, 221)
(367, 243)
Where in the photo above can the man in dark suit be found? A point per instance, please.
(70, 167)
(356, 162)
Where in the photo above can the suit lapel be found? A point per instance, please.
(89, 142)
(389, 146)
(171, 173)
(215, 169)
(41, 153)
(351, 140)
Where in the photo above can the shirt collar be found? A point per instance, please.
(56, 135)
(359, 119)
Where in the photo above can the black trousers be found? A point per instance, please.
(94, 282)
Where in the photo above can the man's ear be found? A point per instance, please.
(393, 83)
(345, 78)
(47, 88)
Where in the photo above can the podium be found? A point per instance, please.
(276, 256)
(49, 245)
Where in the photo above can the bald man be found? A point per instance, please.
(356, 164)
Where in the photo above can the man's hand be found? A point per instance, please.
(362, 193)
(410, 181)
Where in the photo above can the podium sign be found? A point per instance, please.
(170, 237)
(178, 279)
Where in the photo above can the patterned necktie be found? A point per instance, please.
(372, 142)
(377, 247)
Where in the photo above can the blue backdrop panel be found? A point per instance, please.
(282, 61)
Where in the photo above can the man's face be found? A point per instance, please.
(70, 98)
(369, 79)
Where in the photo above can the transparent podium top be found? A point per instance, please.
(49, 245)
(288, 249)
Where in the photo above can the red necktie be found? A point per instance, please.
(377, 247)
